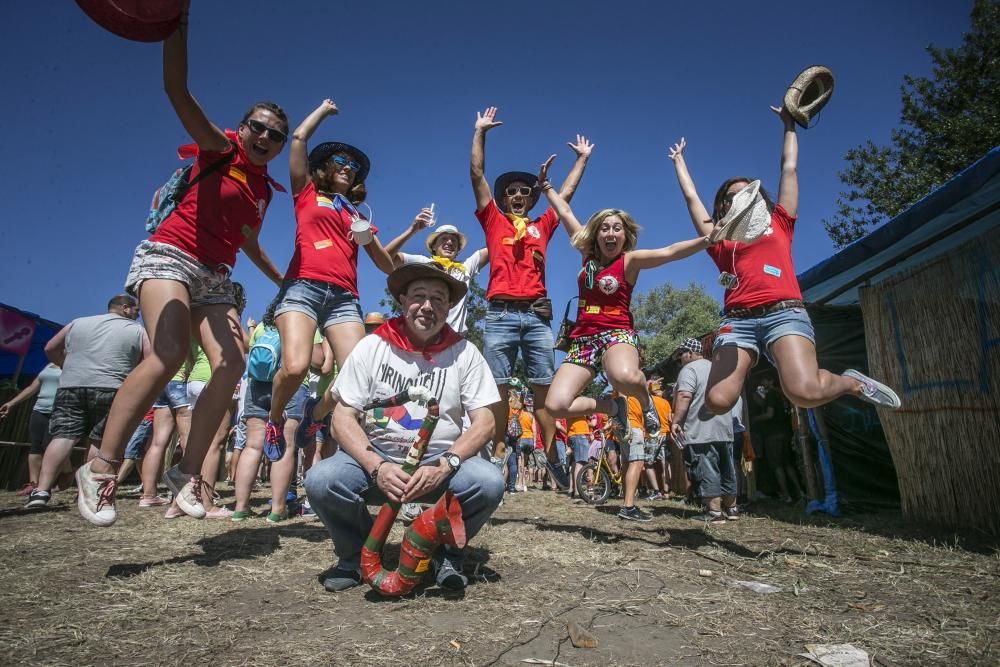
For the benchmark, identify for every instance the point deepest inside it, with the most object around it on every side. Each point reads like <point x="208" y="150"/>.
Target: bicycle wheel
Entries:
<point x="593" y="484"/>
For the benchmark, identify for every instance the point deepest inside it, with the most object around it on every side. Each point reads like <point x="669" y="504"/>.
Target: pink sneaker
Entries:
<point x="96" y="497"/>
<point x="173" y="512"/>
<point x="152" y="501"/>
<point x="26" y="489"/>
<point x="219" y="513"/>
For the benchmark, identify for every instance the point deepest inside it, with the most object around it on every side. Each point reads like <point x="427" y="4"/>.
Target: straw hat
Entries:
<point x="407" y="273"/>
<point x="809" y="93"/>
<point x="748" y="216"/>
<point x="147" y="21"/>
<point x="445" y="229"/>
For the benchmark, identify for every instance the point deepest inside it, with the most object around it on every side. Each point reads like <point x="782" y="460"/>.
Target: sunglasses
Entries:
<point x="342" y="161"/>
<point x="258" y="127"/>
<point x="513" y="191"/>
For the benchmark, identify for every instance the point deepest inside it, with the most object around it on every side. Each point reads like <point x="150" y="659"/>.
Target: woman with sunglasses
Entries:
<point x="604" y="334"/>
<point x="763" y="311"/>
<point x="320" y="287"/>
<point x="181" y="276"/>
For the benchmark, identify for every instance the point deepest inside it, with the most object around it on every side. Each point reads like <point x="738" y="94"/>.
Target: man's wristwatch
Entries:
<point x="453" y="461"/>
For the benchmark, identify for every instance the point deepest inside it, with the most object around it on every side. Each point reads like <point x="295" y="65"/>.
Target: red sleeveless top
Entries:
<point x="605" y="297"/>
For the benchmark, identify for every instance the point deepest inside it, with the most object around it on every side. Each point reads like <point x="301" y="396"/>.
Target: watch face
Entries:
<point x="453" y="461"/>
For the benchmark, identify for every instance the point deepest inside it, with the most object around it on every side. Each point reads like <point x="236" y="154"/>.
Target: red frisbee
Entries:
<point x="138" y="20"/>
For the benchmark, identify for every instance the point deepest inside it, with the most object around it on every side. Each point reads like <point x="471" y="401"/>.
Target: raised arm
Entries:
<point x="422" y="221"/>
<point x="25" y="394"/>
<point x="637" y="260"/>
<point x="189" y="112"/>
<point x="298" y="154"/>
<point x="378" y="255"/>
<point x="477" y="161"/>
<point x="699" y="216"/>
<point x="582" y="148"/>
<point x="556" y="200"/>
<point x="788" y="187"/>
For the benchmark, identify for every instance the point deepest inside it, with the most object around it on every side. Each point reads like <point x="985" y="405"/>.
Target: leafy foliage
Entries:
<point x="666" y="315"/>
<point x="948" y="122"/>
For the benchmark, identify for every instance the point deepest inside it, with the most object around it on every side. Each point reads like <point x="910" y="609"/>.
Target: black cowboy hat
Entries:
<point x="322" y="154"/>
<point x="406" y="274"/>
<point x="506" y="178"/>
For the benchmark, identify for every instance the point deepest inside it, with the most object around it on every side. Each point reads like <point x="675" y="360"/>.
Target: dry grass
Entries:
<point x="148" y="591"/>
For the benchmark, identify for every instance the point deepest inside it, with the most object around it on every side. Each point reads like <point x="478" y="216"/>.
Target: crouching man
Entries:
<point x="416" y="349"/>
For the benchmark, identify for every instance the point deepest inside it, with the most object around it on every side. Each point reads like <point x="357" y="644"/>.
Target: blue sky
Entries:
<point x="89" y="133"/>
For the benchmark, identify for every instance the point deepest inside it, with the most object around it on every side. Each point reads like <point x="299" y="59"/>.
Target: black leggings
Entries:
<point x="38" y="432"/>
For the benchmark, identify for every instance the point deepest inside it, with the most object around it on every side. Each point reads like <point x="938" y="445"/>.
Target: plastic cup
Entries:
<point x="361" y="230"/>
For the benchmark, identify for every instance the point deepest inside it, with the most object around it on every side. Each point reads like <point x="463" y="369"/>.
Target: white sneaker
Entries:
<point x="874" y="391"/>
<point x="96" y="496"/>
<point x="187" y="491"/>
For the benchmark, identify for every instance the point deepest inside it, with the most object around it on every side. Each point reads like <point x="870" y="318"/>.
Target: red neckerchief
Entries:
<point x="188" y="151"/>
<point x="393" y="333"/>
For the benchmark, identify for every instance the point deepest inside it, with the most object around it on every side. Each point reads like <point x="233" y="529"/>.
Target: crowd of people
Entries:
<point x="305" y="378"/>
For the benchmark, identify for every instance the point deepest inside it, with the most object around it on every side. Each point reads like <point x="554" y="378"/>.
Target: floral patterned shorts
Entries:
<point x="589" y="350"/>
<point x="160" y="261"/>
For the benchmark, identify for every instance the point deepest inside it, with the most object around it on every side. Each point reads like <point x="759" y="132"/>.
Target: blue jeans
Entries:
<point x="136" y="447"/>
<point x="561" y="452"/>
<point x="325" y="303"/>
<point x="711" y="469"/>
<point x="338" y="490"/>
<point x="757" y="335"/>
<point x="507" y="332"/>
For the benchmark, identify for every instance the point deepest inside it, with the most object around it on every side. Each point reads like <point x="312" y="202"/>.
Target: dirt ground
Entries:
<point x="149" y="591"/>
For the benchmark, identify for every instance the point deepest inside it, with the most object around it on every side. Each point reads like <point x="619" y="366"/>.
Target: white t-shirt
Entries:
<point x="458" y="377"/>
<point x="456" y="316"/>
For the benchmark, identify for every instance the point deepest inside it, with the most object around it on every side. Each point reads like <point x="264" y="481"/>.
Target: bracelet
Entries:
<point x="546" y="186"/>
<point x="111" y="462"/>
<point x="374" y="473"/>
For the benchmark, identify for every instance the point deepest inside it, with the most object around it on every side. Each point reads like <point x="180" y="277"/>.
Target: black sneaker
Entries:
<point x="338" y="579"/>
<point x="448" y="576"/>
<point x="634" y="514"/>
<point x="38" y="499"/>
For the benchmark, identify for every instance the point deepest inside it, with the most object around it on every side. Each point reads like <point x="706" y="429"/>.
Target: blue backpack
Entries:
<point x="265" y="355"/>
<point x="165" y="199"/>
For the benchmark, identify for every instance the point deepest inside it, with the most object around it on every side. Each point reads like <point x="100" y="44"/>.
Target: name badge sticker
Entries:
<point x="772" y="270"/>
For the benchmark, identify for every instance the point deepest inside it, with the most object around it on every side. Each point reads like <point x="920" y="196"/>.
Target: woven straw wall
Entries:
<point x="933" y="334"/>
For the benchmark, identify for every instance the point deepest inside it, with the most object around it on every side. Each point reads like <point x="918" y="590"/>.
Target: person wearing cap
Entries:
<point x="519" y="313"/>
<point x="443" y="244"/>
<point x="417" y="348"/>
<point x="763" y="312"/>
<point x="373" y="321"/>
<point x="706" y="438"/>
<point x="320" y="288"/>
<point x="604" y="335"/>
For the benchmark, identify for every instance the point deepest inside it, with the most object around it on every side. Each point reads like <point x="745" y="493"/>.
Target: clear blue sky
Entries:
<point x="89" y="133"/>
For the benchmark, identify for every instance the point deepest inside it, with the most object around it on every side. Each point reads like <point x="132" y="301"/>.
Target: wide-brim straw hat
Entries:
<point x="322" y="154"/>
<point x="748" y="216"/>
<point x="809" y="93"/>
<point x="445" y="229"/>
<point x="407" y="273"/>
<point x="137" y="20"/>
<point x="506" y="178"/>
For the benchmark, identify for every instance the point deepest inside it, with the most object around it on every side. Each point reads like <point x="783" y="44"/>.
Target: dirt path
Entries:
<point x="149" y="592"/>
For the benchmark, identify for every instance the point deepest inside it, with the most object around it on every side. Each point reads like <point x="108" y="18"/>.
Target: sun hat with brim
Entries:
<point x="406" y="274"/>
<point x="325" y="151"/>
<point x="445" y="229"/>
<point x="374" y="318"/>
<point x="748" y="216"/>
<point x="506" y="178"/>
<point x="809" y="93"/>
<point x="137" y="20"/>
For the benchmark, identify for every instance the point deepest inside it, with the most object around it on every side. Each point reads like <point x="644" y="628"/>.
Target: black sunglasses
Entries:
<point x="258" y="127"/>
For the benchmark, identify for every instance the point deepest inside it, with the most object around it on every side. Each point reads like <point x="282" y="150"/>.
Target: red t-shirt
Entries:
<point x="517" y="268"/>
<point x="220" y="212"/>
<point x="323" y="249"/>
<point x="764" y="268"/>
<point x="605" y="305"/>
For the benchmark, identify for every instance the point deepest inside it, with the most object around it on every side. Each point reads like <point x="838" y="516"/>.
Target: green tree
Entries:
<point x="948" y="121"/>
<point x="666" y="315"/>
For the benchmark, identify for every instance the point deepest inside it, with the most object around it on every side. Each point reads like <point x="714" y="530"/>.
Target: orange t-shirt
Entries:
<point x="663" y="411"/>
<point x="635" y="419"/>
<point x="577" y="426"/>
<point x="525" y="419"/>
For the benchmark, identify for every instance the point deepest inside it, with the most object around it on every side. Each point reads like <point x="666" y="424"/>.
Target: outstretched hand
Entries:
<point x="485" y="120"/>
<point x="785" y="117"/>
<point x="582" y="147"/>
<point x="677" y="150"/>
<point x="543" y="171"/>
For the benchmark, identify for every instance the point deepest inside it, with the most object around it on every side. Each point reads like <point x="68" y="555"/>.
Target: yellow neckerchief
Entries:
<point x="447" y="264"/>
<point x="520" y="225"/>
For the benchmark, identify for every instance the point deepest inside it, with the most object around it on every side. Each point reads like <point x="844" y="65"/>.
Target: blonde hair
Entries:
<point x="585" y="240"/>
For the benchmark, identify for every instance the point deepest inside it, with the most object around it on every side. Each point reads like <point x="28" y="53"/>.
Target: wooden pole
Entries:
<point x="808" y="459"/>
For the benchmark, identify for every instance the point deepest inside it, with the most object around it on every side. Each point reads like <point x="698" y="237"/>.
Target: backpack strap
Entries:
<point x="215" y="166"/>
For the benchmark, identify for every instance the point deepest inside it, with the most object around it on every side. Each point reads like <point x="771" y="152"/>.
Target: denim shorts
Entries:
<point x="240" y="438"/>
<point x="173" y="396"/>
<point x="509" y="331"/>
<point x="323" y="302"/>
<point x="136" y="447"/>
<point x="580" y="445"/>
<point x="207" y="286"/>
<point x="259" y="401"/>
<point x="757" y="335"/>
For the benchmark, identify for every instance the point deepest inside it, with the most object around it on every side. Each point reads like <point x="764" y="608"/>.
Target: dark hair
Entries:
<point x="720" y="195"/>
<point x="268" y="318"/>
<point x="358" y="193"/>
<point x="240" y="295"/>
<point x="268" y="106"/>
<point x="122" y="300"/>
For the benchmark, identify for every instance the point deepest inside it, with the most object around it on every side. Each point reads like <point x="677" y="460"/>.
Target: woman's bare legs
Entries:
<point x="296" y="331"/>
